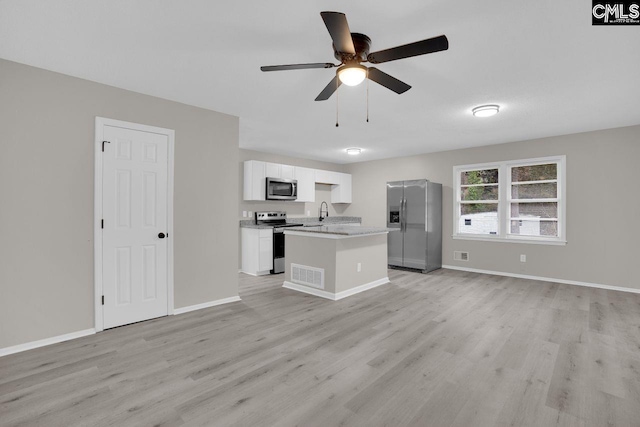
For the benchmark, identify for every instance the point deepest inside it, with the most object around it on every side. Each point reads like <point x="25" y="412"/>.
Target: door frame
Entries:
<point x="97" y="211"/>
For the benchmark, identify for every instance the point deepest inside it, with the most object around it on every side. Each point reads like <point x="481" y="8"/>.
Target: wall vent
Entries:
<point x="309" y="276"/>
<point x="460" y="256"/>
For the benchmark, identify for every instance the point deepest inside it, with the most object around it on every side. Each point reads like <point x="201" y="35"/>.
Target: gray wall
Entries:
<point x="603" y="207"/>
<point x="46" y="198"/>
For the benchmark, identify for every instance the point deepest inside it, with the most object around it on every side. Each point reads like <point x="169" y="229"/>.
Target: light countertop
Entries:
<point x="337" y="230"/>
<point x="306" y="221"/>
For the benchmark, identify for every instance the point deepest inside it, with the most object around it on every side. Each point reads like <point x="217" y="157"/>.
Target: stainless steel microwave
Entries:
<point x="281" y="189"/>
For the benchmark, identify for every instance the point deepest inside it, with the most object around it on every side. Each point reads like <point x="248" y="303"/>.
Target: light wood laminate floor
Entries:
<point x="447" y="348"/>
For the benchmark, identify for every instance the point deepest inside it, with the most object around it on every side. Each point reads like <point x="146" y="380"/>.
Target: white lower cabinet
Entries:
<point x="265" y="260"/>
<point x="257" y="250"/>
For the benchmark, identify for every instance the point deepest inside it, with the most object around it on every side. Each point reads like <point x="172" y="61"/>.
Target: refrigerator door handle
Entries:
<point x="404" y="215"/>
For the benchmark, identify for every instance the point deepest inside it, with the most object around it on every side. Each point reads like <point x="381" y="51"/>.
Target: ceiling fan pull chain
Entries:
<point x="337" y="103"/>
<point x="367" y="95"/>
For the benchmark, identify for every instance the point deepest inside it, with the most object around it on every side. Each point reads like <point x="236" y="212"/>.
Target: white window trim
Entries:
<point x="504" y="201"/>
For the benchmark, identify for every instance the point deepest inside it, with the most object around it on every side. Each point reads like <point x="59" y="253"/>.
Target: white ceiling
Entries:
<point x="551" y="71"/>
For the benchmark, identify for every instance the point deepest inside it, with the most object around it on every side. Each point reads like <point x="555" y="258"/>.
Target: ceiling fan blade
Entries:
<point x="297" y="66"/>
<point x="338" y="27"/>
<point x="329" y="89"/>
<point x="387" y="81"/>
<point x="435" y="44"/>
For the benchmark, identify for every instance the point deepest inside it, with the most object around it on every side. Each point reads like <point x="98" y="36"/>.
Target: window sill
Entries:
<point x="510" y="240"/>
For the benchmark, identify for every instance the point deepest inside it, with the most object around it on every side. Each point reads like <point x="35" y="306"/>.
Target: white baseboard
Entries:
<point x="44" y="342"/>
<point x="333" y="296"/>
<point x="309" y="290"/>
<point x="258" y="274"/>
<point x="362" y="288"/>
<point x="544" y="279"/>
<point x="187" y="309"/>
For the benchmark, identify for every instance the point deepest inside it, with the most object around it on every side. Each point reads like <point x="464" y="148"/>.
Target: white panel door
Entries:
<point x="134" y="208"/>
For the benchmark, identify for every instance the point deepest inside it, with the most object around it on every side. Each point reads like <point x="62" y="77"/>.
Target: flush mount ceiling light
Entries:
<point x="352" y="74"/>
<point x="354" y="151"/>
<point x="486" y="110"/>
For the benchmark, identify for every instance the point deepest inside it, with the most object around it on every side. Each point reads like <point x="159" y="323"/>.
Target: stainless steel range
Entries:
<point x="277" y="220"/>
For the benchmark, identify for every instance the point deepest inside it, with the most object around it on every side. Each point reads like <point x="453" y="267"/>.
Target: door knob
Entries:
<point x="161" y="235"/>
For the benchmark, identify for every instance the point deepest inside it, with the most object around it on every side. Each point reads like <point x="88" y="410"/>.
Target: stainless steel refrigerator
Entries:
<point x="414" y="208"/>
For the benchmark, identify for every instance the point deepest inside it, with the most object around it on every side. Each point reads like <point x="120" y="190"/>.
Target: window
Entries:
<point x="519" y="200"/>
<point x="479" y="198"/>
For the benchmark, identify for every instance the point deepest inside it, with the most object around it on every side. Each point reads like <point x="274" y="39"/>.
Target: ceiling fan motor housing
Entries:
<point x="362" y="43"/>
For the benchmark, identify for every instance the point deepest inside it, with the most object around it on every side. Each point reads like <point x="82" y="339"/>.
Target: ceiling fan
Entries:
<point x="352" y="49"/>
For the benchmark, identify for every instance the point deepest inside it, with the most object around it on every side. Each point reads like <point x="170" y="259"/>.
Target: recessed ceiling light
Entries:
<point x="486" y="110"/>
<point x="352" y="74"/>
<point x="354" y="151"/>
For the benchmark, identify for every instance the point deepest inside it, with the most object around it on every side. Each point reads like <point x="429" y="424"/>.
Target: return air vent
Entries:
<point x="460" y="256"/>
<point x="309" y="276"/>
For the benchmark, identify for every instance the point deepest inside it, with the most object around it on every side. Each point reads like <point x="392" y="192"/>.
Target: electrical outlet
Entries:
<point x="250" y="214"/>
<point x="244" y="214"/>
<point x="308" y="213"/>
<point x="359" y="267"/>
<point x="523" y="258"/>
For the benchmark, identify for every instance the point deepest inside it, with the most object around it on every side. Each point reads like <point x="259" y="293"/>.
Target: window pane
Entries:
<point x="535" y="191"/>
<point x="486" y="176"/>
<point x="534" y="173"/>
<point x="534" y="210"/>
<point x="478" y="218"/>
<point x="480" y="193"/>
<point x="534" y="228"/>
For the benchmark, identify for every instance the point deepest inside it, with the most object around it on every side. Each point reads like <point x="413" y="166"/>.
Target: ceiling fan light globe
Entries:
<point x="352" y="75"/>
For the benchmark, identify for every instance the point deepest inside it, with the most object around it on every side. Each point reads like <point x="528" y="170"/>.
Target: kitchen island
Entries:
<point x="335" y="261"/>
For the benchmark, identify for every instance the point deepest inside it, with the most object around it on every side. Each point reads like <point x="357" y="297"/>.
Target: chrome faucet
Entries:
<point x="325" y="212"/>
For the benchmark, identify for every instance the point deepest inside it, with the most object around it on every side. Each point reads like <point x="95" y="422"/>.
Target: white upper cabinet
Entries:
<point x="287" y="172"/>
<point x="306" y="184"/>
<point x="273" y="170"/>
<point x="254" y="180"/>
<point x="341" y="193"/>
<point x="255" y="183"/>
<point x="327" y="177"/>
